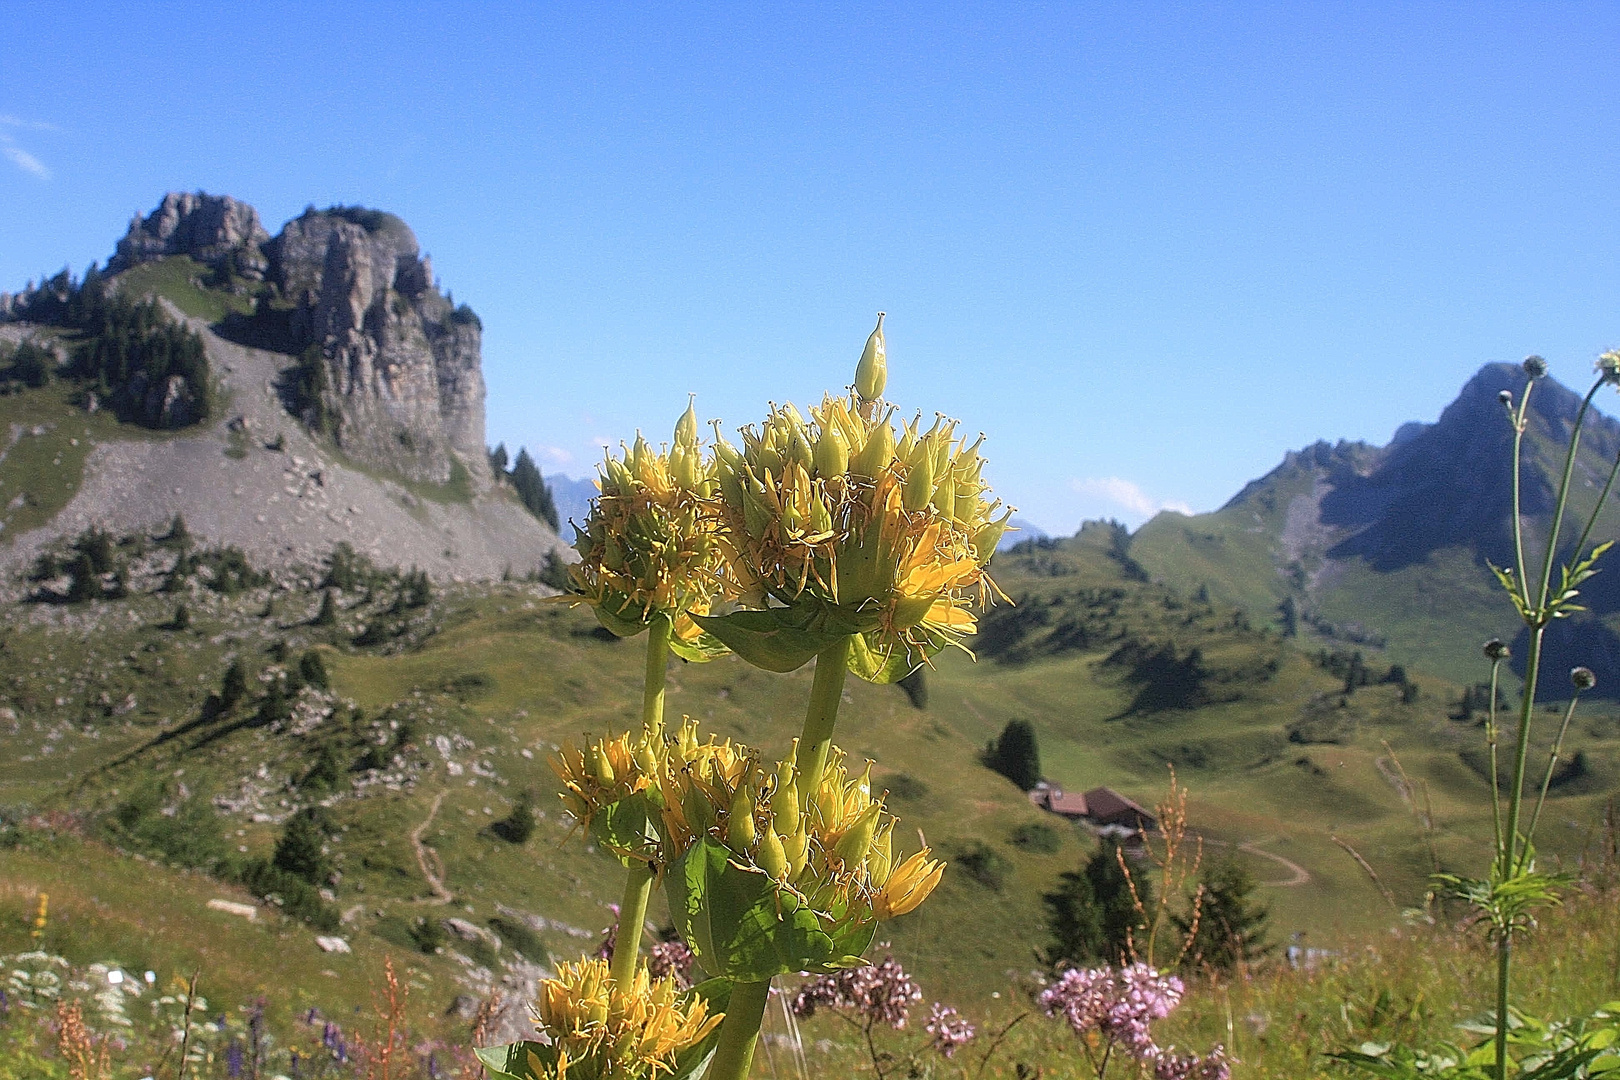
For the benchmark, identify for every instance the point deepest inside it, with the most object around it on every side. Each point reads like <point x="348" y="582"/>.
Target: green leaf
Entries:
<point x="515" y="1061"/>
<point x="879" y="666"/>
<point x="700" y="650"/>
<point x="776" y="639"/>
<point x="742" y="924"/>
<point x="628" y="825"/>
<point x="619" y="623"/>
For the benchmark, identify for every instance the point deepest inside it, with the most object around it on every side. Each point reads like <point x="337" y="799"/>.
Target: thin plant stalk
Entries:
<point x="1490" y="742"/>
<point x="832" y="664"/>
<point x="739" y="1031"/>
<point x="1552" y="763"/>
<point x="1514" y="850"/>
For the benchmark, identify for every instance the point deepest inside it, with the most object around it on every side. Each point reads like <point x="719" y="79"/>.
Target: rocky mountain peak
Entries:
<point x="212" y="229"/>
<point x="390" y="364"/>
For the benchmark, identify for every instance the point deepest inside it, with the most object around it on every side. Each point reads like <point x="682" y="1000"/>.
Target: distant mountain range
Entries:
<point x="1386" y="547"/>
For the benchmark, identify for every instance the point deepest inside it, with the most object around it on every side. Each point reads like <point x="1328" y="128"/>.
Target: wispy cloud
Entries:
<point x="27" y="162"/>
<point x="15" y="154"/>
<point x="1127" y="496"/>
<point x="556" y="455"/>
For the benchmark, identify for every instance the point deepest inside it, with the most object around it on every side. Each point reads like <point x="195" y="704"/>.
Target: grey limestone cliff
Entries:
<point x="347" y="288"/>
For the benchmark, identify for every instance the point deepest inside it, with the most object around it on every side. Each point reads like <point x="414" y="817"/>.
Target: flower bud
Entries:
<point x="1534" y="366"/>
<point x="832" y="453"/>
<point x="597" y="763"/>
<point x="877" y="453"/>
<point x="880" y="856"/>
<point x="872" y="373"/>
<point x="686" y="426"/>
<point x="857" y="839"/>
<point x="1496" y="651"/>
<point x="797" y="850"/>
<point x="772" y="857"/>
<point x="820" y="517"/>
<point x="1583" y="678"/>
<point x="919" y="484"/>
<point x="1608" y="366"/>
<point x="785" y="802"/>
<point x="740" y="830"/>
<point x="944" y="498"/>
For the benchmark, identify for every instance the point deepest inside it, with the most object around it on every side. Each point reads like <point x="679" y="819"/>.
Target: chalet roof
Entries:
<point x="1106" y="804"/>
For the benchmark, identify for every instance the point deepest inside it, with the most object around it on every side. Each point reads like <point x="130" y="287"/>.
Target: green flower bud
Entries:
<point x="919" y="483"/>
<point x="686" y="426"/>
<point x="878" y="451"/>
<point x="740" y="830"/>
<point x="944" y="498"/>
<point x="832" y="453"/>
<point x="872" y="373"/>
<point x="785" y="802"/>
<point x="857" y="839"/>
<point x="797" y="850"/>
<point x="820" y="516"/>
<point x="988" y="538"/>
<point x="772" y="857"/>
<point x="880" y="856"/>
<point x="598" y="765"/>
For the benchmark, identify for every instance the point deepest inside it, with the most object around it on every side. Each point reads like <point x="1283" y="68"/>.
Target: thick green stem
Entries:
<point x="825" y="693"/>
<point x="652" y="694"/>
<point x="632" y="917"/>
<point x="739" y="1031"/>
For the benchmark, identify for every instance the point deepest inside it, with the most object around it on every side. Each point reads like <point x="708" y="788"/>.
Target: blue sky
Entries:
<point x="1147" y="248"/>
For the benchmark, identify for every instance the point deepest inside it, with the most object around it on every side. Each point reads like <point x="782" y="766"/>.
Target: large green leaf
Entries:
<point x="629" y="623"/>
<point x="776" y="639"/>
<point x="743" y="926"/>
<point x="628" y="825"/>
<point x="518" y="1061"/>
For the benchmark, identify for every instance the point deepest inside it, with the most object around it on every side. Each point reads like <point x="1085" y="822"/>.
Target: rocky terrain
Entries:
<point x="400" y="472"/>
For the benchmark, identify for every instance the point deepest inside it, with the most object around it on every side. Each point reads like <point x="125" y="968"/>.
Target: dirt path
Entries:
<point x="428" y="859"/>
<point x="1301" y="876"/>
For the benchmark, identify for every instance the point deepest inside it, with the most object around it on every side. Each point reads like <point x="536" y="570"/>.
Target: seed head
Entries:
<point x="1505" y="397"/>
<point x="1608" y="366"/>
<point x="1583" y="678"/>
<point x="1534" y="366"/>
<point x="1495" y="650"/>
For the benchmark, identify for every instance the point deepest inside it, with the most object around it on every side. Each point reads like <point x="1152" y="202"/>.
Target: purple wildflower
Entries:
<point x="671" y="960"/>
<point x="1212" y="1066"/>
<point x="879" y="993"/>
<point x="233" y="1060"/>
<point x="1118" y="1005"/>
<point x="950" y="1030"/>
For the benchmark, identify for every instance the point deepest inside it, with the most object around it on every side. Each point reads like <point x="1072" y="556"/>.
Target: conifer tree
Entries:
<point x="1015" y="754"/>
<point x="1093" y="914"/>
<point x="532" y="490"/>
<point x="1231" y="924"/>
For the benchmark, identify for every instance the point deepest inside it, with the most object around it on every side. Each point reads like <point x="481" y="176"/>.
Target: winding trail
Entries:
<point x="1301" y="876"/>
<point x="428" y="859"/>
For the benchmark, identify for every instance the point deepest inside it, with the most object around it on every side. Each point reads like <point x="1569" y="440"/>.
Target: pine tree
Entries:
<point x="233" y="687"/>
<point x="327" y="616"/>
<point x="532" y="490"/>
<point x="1015" y="754"/>
<point x="1093" y="914"/>
<point x="1231" y="925"/>
<point x="518" y="826"/>
<point x="498" y="461"/>
<point x="312" y="670"/>
<point x="299" y="853"/>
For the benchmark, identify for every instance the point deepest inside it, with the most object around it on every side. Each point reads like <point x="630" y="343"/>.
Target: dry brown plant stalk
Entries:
<point x="1174" y="867"/>
<point x="85" y="1054"/>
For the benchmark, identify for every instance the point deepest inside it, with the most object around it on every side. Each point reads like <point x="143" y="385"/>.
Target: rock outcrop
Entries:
<point x="348" y="289"/>
<point x="215" y="230"/>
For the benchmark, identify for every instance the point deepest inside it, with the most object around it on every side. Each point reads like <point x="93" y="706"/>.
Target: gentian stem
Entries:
<point x="652" y="695"/>
<point x="825" y="693"/>
<point x="739" y="1031"/>
<point x="632" y="916"/>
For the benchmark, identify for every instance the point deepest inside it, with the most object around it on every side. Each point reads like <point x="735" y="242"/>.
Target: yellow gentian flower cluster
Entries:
<point x="618" y="1031"/>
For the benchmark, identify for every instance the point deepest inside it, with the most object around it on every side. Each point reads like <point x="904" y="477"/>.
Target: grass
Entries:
<point x="492" y="679"/>
<point x="178" y="279"/>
